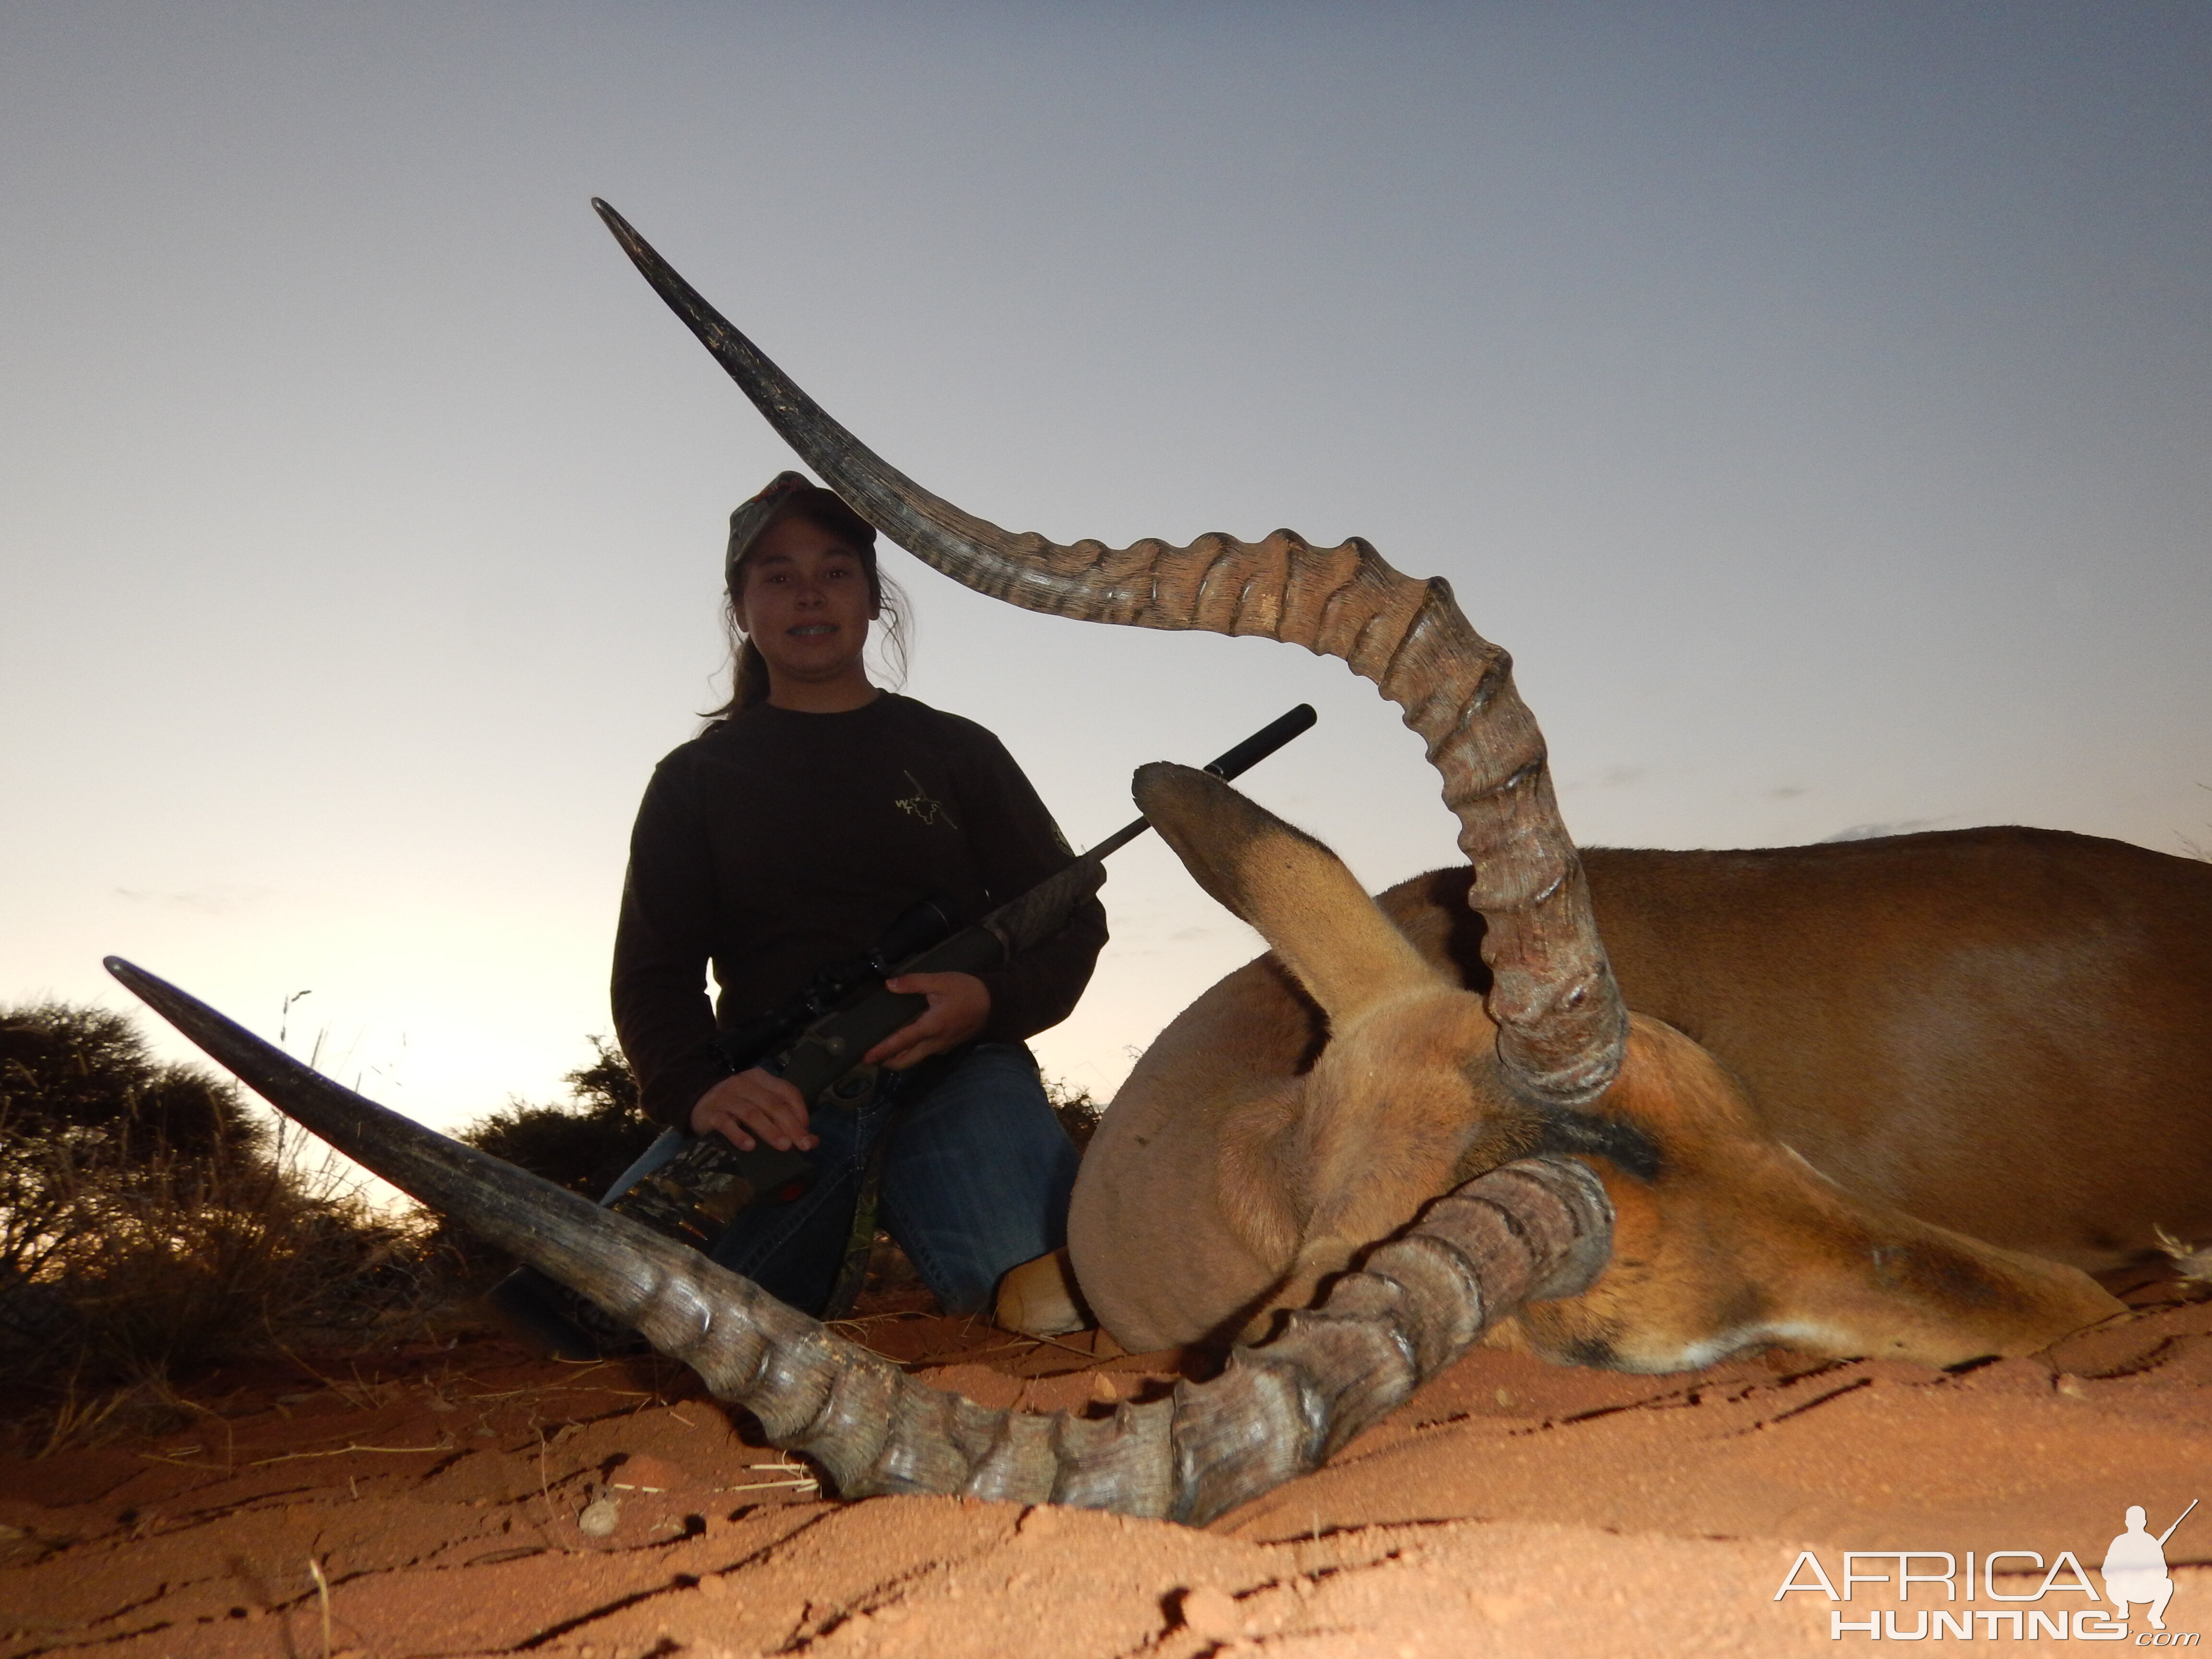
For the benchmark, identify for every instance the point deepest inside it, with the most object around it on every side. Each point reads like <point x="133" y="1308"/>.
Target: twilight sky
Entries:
<point x="1816" y="400"/>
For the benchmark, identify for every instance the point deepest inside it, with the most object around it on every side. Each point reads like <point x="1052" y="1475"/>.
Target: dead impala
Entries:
<point x="1884" y="1098"/>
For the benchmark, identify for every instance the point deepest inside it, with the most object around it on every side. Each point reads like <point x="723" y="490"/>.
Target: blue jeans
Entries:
<point x="976" y="1175"/>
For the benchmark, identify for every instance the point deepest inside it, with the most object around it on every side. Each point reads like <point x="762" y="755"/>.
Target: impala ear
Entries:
<point x="1297" y="893"/>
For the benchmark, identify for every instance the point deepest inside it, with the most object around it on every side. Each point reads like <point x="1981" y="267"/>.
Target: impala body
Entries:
<point x="1931" y="1074"/>
<point x="2004" y="1031"/>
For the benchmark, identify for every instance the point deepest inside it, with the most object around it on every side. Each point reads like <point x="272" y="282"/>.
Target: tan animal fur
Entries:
<point x="1309" y="1104"/>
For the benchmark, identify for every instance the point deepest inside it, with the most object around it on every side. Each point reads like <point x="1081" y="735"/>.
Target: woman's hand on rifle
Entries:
<point x="958" y="1006"/>
<point x="754" y="1103"/>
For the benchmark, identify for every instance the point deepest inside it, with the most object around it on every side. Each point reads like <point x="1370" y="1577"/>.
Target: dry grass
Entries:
<point x="147" y="1273"/>
<point x="139" y="1246"/>
<point x="2198" y="849"/>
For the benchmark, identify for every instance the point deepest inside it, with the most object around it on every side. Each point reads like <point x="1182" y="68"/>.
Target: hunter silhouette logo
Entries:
<point x="2134" y="1572"/>
<point x="2135" y="1567"/>
<point x="922" y="806"/>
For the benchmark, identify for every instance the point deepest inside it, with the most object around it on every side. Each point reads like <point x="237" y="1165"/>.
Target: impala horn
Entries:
<point x="1562" y="1029"/>
<point x="1539" y="1227"/>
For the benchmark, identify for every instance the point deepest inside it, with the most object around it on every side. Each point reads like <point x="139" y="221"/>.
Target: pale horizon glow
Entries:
<point x="1814" y="399"/>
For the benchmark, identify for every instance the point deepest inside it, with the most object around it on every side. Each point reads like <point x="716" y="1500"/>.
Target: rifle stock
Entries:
<point x="830" y="1047"/>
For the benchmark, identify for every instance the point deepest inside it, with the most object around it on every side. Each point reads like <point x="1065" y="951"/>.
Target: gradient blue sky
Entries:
<point x="1814" y="398"/>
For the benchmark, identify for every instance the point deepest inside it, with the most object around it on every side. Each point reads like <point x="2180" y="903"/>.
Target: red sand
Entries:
<point x="1510" y="1508"/>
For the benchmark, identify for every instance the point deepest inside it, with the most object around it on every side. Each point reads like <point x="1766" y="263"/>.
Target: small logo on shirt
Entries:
<point x="922" y="806"/>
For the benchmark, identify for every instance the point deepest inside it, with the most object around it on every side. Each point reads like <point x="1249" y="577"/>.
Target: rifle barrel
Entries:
<point x="1241" y="759"/>
<point x="2178" y="1520"/>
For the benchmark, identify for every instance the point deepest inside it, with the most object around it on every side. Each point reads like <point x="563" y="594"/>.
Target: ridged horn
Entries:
<point x="1539" y="1227"/>
<point x="1562" y="1029"/>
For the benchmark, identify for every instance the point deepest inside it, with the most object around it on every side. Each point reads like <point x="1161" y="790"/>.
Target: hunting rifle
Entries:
<point x="816" y="1041"/>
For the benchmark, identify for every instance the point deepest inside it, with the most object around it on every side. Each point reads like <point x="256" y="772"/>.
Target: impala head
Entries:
<point x="1409" y="1088"/>
<point x="1725" y="1239"/>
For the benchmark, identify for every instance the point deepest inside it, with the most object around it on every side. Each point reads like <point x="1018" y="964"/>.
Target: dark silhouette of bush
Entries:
<point x="81" y="1073"/>
<point x="84" y="1106"/>
<point x="1079" y="1113"/>
<point x="581" y="1144"/>
<point x="151" y="1222"/>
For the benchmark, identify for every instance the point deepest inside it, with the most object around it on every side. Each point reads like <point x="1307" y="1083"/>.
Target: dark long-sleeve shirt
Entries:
<point x="778" y="842"/>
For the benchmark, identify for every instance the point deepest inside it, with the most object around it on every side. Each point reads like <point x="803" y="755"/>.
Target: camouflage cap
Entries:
<point x="786" y="491"/>
<point x="755" y="515"/>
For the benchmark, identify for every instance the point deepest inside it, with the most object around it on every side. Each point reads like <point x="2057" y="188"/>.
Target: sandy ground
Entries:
<point x="468" y="1499"/>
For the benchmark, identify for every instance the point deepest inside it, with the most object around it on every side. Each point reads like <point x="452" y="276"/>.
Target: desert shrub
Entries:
<point x="151" y="1222"/>
<point x="1079" y="1113"/>
<point x="85" y="1072"/>
<point x="582" y="1143"/>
